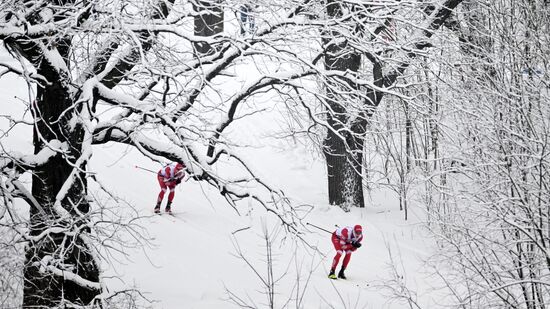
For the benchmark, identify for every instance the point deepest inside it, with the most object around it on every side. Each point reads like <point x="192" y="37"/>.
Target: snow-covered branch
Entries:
<point x="29" y="162"/>
<point x="47" y="267"/>
<point x="31" y="76"/>
<point x="9" y="31"/>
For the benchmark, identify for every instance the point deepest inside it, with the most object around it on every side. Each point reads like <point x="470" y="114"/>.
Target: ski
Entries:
<point x="176" y="215"/>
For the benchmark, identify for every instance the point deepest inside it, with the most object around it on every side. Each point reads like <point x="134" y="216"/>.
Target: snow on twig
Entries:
<point x="26" y="161"/>
<point x="28" y="31"/>
<point x="47" y="268"/>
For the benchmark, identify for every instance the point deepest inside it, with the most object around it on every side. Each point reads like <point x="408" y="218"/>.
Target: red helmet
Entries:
<point x="358" y="230"/>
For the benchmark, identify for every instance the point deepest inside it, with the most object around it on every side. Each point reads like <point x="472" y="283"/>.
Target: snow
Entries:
<point x="191" y="259"/>
<point x="67" y="275"/>
<point x="28" y="30"/>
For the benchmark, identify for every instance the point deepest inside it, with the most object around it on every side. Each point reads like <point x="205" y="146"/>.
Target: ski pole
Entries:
<point x="145" y="169"/>
<point x="320" y="228"/>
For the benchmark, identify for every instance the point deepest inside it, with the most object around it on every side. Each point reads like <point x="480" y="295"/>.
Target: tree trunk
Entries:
<point x="63" y="249"/>
<point x="343" y="145"/>
<point x="339" y="55"/>
<point x="344" y="169"/>
<point x="208" y="23"/>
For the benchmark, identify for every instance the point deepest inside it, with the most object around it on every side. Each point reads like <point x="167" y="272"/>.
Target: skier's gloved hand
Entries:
<point x="356" y="244"/>
<point x="178" y="181"/>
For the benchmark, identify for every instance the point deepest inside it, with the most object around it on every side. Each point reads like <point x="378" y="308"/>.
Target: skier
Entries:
<point x="169" y="177"/>
<point x="346" y="239"/>
<point x="246" y="19"/>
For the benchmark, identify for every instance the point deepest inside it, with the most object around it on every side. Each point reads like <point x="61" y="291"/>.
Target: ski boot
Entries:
<point x="331" y="275"/>
<point x="157" y="208"/>
<point x="168" y="208"/>
<point x="341" y="274"/>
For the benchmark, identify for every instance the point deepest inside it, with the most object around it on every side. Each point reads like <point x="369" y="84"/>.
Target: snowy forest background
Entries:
<point x="425" y="121"/>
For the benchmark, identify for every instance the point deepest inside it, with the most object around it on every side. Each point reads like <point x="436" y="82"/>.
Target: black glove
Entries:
<point x="356" y="244"/>
<point x="178" y="181"/>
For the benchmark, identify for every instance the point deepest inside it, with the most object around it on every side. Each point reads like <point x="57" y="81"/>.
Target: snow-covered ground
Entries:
<point x="192" y="260"/>
<point x="208" y="252"/>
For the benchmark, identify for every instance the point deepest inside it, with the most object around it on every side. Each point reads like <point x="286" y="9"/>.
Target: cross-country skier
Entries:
<point x="247" y="19"/>
<point x="345" y="240"/>
<point x="169" y="177"/>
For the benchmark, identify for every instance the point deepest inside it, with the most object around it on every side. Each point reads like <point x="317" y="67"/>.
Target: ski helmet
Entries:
<point x="358" y="230"/>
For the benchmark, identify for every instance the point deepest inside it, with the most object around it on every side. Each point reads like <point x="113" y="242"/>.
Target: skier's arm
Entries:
<point x="179" y="176"/>
<point x="357" y="243"/>
<point x="166" y="177"/>
<point x="344" y="237"/>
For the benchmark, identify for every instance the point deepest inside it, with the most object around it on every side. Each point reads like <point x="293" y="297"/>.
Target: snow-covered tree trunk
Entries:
<point x="56" y="250"/>
<point x="61" y="268"/>
<point x="55" y="184"/>
<point x="345" y="181"/>
<point x="350" y="105"/>
<point x="342" y="147"/>
<point x="208" y="22"/>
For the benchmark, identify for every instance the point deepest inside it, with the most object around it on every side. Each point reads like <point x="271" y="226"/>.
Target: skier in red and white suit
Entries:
<point x="345" y="240"/>
<point x="169" y="177"/>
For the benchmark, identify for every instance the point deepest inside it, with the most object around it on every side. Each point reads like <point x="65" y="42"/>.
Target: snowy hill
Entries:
<point x="193" y="258"/>
<point x="210" y="255"/>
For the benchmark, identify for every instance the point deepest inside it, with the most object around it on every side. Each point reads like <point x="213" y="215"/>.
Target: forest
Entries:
<point x="444" y="103"/>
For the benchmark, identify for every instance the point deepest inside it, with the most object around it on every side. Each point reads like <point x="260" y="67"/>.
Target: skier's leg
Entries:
<point x="161" y="193"/>
<point x="338" y="248"/>
<point x="171" y="194"/>
<point x="172" y="189"/>
<point x="163" y="188"/>
<point x="346" y="260"/>
<point x="243" y="19"/>
<point x="252" y="23"/>
<point x="336" y="259"/>
<point x="344" y="265"/>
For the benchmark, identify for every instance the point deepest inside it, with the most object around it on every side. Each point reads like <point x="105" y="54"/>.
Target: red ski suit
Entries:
<point x="169" y="177"/>
<point x="342" y="240"/>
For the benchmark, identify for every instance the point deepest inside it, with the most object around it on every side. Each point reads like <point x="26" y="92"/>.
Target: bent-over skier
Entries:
<point x="169" y="177"/>
<point x="345" y="240"/>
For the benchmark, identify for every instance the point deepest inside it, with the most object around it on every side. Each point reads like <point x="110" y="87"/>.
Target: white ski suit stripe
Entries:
<point x="346" y="234"/>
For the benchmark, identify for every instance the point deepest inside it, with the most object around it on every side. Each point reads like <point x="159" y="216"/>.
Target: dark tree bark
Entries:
<point x="209" y="22"/>
<point x="342" y="150"/>
<point x="343" y="145"/>
<point x="63" y="249"/>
